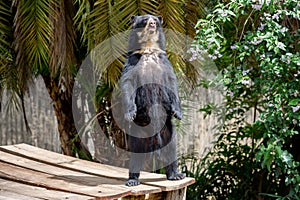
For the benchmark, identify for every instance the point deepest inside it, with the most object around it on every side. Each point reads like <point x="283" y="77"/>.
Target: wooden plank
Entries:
<point x="53" y="158"/>
<point x="17" y="190"/>
<point x="166" y="195"/>
<point x="75" y="176"/>
<point x="103" y="191"/>
<point x="156" y="196"/>
<point x="167" y="185"/>
<point x="5" y="195"/>
<point x="175" y="194"/>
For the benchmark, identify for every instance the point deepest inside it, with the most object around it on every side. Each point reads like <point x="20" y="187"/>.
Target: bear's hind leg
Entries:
<point x="135" y="165"/>
<point x="170" y="154"/>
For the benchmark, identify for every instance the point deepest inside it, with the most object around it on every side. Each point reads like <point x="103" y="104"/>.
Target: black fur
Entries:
<point x="148" y="80"/>
<point x="134" y="59"/>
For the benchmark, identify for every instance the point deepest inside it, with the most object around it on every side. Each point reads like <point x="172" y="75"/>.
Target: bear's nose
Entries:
<point x="152" y="23"/>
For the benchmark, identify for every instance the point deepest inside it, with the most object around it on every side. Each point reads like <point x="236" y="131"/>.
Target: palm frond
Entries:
<point x="194" y="10"/>
<point x="8" y="80"/>
<point x="173" y="14"/>
<point x="82" y="20"/>
<point x="181" y="17"/>
<point x="32" y="33"/>
<point x="5" y="37"/>
<point x="107" y="20"/>
<point x="109" y="57"/>
<point x="5" y="28"/>
<point x="100" y="28"/>
<point x="148" y="7"/>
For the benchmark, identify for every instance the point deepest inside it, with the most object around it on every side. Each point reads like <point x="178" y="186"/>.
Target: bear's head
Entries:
<point x="147" y="34"/>
<point x="147" y="23"/>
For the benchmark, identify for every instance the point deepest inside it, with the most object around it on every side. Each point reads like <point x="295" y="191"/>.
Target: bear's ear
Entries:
<point x="160" y="19"/>
<point x="132" y="19"/>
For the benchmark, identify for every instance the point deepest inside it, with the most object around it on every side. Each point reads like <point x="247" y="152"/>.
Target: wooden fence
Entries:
<point x="196" y="137"/>
<point x="41" y="119"/>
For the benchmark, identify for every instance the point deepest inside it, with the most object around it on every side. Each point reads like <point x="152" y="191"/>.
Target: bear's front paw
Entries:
<point x="130" y="116"/>
<point x="177" y="114"/>
<point x="132" y="182"/>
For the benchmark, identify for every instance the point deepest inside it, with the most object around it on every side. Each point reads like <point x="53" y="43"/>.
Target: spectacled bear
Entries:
<point x="150" y="98"/>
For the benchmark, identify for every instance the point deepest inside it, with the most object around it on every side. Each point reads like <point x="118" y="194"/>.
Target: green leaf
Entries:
<point x="231" y="13"/>
<point x="294" y="102"/>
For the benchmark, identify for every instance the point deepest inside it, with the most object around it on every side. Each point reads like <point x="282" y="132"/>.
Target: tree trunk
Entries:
<point x="62" y="102"/>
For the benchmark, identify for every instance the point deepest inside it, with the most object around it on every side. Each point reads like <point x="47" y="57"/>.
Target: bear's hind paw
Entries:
<point x="176" y="176"/>
<point x="132" y="182"/>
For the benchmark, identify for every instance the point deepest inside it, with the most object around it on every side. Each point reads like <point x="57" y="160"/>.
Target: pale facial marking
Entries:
<point x="149" y="37"/>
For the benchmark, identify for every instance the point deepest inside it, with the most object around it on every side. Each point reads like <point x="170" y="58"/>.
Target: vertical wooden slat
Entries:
<point x="40" y="116"/>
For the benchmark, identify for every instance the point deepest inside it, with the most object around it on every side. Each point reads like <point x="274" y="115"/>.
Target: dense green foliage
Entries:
<point x="256" y="48"/>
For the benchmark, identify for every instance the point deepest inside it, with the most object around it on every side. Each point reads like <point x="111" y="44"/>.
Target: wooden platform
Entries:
<point x="28" y="172"/>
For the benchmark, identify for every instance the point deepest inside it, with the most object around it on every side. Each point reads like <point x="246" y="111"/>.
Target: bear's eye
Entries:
<point x="145" y="20"/>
